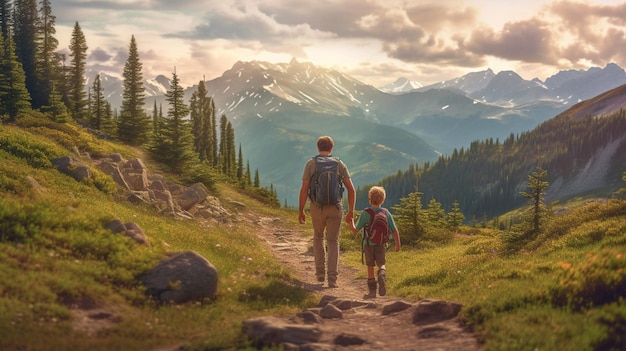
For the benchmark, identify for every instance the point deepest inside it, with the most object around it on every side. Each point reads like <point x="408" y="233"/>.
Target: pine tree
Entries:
<point x="14" y="97"/>
<point x="240" y="164"/>
<point x="174" y="145"/>
<point x="257" y="179"/>
<point x="222" y="155"/>
<point x="98" y="105"/>
<point x="435" y="214"/>
<point x="78" y="53"/>
<point x="539" y="212"/>
<point x="231" y="154"/>
<point x="408" y="217"/>
<point x="134" y="125"/>
<point x="48" y="61"/>
<point x="203" y="116"/>
<point x="108" y="124"/>
<point x="56" y="108"/>
<point x="25" y="36"/>
<point x="455" y="216"/>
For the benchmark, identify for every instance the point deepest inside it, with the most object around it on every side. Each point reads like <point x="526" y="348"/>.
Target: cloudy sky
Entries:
<point x="375" y="41"/>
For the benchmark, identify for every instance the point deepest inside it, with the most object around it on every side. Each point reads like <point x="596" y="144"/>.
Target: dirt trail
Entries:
<point x="363" y="327"/>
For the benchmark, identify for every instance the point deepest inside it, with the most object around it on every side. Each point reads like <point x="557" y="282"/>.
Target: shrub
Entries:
<point x="613" y="320"/>
<point x="37" y="153"/>
<point x="598" y="280"/>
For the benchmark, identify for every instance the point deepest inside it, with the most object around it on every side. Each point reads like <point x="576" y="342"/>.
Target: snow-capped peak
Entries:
<point x="401" y="85"/>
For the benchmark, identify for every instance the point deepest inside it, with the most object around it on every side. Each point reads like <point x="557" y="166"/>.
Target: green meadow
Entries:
<point x="563" y="290"/>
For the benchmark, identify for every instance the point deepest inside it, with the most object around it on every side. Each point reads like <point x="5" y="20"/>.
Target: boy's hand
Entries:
<point x="397" y="248"/>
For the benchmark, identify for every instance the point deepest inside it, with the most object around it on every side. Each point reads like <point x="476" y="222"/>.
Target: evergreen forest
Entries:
<point x="38" y="82"/>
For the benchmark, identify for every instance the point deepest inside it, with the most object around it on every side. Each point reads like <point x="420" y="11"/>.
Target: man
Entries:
<point x="327" y="218"/>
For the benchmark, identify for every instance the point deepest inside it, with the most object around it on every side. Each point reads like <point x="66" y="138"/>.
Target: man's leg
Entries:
<point x="334" y="215"/>
<point x="319" y="251"/>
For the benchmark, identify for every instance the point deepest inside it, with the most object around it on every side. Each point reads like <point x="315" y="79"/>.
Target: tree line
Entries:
<point x="34" y="75"/>
<point x="485" y="178"/>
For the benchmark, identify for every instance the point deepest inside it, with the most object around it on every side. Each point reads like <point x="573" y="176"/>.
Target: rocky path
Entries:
<point x="344" y="320"/>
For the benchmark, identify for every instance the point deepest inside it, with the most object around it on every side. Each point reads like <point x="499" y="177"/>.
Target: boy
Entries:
<point x="375" y="254"/>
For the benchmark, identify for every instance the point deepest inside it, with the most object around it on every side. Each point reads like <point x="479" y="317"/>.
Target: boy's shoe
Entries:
<point x="320" y="279"/>
<point x="382" y="287"/>
<point x="371" y="287"/>
<point x="333" y="285"/>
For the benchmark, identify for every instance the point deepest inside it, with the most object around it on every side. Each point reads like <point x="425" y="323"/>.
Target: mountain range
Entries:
<point x="279" y="110"/>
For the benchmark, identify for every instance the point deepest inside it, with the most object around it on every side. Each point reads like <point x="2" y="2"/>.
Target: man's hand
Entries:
<point x="302" y="217"/>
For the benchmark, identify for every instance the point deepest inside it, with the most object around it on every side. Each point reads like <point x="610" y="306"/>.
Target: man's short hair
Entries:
<point x="325" y="143"/>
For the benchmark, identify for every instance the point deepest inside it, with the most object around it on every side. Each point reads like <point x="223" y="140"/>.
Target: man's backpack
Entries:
<point x="378" y="229"/>
<point x="325" y="187"/>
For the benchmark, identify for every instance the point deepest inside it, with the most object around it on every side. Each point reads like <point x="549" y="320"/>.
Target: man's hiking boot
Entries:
<point x="382" y="287"/>
<point x="320" y="276"/>
<point x="332" y="284"/>
<point x="371" y="286"/>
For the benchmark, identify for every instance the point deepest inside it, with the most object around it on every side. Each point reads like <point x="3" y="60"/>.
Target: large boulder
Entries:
<point x="182" y="277"/>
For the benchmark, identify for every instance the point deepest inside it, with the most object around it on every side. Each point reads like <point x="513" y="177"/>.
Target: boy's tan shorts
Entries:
<point x="374" y="255"/>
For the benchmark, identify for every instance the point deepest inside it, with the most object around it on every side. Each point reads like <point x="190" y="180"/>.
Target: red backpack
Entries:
<point x="378" y="229"/>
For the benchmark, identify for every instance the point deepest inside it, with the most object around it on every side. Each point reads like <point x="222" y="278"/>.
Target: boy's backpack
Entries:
<point x="378" y="229"/>
<point x="325" y="187"/>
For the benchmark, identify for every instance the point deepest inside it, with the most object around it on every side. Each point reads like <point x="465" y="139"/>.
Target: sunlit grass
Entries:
<point x="55" y="252"/>
<point x="565" y="293"/>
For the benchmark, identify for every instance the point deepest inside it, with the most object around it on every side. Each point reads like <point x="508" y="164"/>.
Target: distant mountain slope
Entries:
<point x="583" y="150"/>
<point x="279" y="109"/>
<point x="609" y="102"/>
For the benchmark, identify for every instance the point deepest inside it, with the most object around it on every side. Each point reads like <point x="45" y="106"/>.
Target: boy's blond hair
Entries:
<point x="376" y="195"/>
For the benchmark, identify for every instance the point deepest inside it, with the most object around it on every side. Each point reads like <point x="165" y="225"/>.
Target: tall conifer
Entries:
<point x="48" y="61"/>
<point x="174" y="144"/>
<point x="14" y="97"/>
<point x="134" y="126"/>
<point x="78" y="60"/>
<point x="98" y="104"/>
<point x="25" y="36"/>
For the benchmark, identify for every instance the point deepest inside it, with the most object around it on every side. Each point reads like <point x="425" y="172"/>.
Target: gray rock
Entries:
<point x="273" y="331"/>
<point x="331" y="311"/>
<point x="182" y="277"/>
<point x="192" y="196"/>
<point x="396" y="306"/>
<point x="73" y="167"/>
<point x="310" y="317"/>
<point x="435" y="311"/>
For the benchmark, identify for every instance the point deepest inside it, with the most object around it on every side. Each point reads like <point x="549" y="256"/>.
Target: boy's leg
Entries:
<point x="371" y="280"/>
<point x="382" y="271"/>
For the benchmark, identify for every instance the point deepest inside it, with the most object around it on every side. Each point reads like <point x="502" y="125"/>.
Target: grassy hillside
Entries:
<point x="563" y="291"/>
<point x="59" y="264"/>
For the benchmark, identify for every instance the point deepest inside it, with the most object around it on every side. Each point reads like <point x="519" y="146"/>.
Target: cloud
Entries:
<point x="528" y="41"/>
<point x="595" y="33"/>
<point x="246" y="22"/>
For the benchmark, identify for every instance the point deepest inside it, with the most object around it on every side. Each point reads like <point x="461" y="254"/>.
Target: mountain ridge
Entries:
<point x="291" y="104"/>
